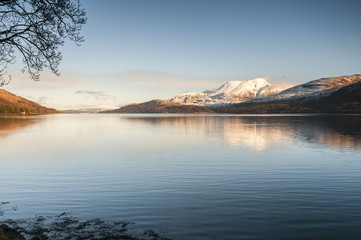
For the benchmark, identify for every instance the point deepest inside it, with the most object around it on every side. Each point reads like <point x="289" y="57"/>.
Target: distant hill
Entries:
<point x="12" y="104"/>
<point x="160" y="106"/>
<point x="86" y="109"/>
<point x="344" y="99"/>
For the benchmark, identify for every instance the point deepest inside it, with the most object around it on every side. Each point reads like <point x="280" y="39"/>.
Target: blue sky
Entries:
<point x="140" y="50"/>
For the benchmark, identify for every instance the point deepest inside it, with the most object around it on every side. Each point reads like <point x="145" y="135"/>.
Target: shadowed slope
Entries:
<point x="160" y="106"/>
<point x="344" y="100"/>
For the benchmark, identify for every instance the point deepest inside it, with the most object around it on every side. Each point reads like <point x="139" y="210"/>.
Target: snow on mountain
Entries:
<point x="230" y="92"/>
<point x="241" y="87"/>
<point x="320" y="87"/>
<point x="83" y="108"/>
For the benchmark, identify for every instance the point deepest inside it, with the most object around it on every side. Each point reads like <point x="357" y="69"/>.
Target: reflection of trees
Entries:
<point x="261" y="132"/>
<point x="10" y="125"/>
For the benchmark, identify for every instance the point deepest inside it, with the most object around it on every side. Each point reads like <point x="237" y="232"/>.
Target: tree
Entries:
<point x="36" y="29"/>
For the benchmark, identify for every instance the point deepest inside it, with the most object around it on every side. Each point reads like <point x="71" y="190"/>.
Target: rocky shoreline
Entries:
<point x="67" y="227"/>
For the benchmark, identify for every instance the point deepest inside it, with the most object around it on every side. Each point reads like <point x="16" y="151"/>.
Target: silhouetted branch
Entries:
<point x="36" y="29"/>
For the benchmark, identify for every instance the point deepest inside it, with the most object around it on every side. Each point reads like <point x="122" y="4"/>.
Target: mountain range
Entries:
<point x="315" y="88"/>
<point x="326" y="95"/>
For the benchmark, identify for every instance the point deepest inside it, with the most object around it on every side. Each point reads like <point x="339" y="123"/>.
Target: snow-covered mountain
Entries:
<point x="315" y="88"/>
<point x="230" y="92"/>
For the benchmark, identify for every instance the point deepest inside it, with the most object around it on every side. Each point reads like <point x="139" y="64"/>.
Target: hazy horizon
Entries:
<point x="136" y="51"/>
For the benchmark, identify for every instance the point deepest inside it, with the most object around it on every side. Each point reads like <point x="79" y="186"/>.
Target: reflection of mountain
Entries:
<point x="262" y="132"/>
<point x="10" y="125"/>
<point x="335" y="131"/>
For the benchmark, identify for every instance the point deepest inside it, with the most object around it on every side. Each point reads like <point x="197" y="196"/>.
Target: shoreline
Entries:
<point x="65" y="226"/>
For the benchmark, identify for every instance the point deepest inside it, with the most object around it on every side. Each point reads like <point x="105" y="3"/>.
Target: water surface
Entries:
<point x="192" y="176"/>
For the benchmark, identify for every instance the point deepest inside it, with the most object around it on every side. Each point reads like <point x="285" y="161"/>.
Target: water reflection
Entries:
<point x="264" y="131"/>
<point x="178" y="172"/>
<point x="11" y="125"/>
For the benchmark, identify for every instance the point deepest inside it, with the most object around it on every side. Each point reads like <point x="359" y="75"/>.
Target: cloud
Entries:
<point x="43" y="100"/>
<point x="352" y="42"/>
<point x="166" y="81"/>
<point x="48" y="81"/>
<point x="98" y="95"/>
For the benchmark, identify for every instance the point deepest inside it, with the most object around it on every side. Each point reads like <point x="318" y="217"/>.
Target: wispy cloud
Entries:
<point x="44" y="100"/>
<point x="163" y="80"/>
<point x="352" y="42"/>
<point x="98" y="95"/>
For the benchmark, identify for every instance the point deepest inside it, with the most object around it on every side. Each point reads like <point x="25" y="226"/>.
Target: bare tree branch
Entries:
<point x="36" y="29"/>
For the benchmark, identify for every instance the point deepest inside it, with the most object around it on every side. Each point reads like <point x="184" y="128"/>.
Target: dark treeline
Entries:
<point x="6" y="109"/>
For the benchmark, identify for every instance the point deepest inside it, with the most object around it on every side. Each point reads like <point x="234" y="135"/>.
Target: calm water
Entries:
<point x="193" y="176"/>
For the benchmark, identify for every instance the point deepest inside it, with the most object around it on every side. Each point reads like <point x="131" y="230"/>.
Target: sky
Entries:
<point x="139" y="50"/>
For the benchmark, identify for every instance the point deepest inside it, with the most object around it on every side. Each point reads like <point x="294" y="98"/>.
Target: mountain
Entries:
<point x="230" y="92"/>
<point x="86" y="109"/>
<point x="320" y="87"/>
<point x="329" y="95"/>
<point x="326" y="95"/>
<point x="344" y="100"/>
<point x="160" y="106"/>
<point x="12" y="104"/>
